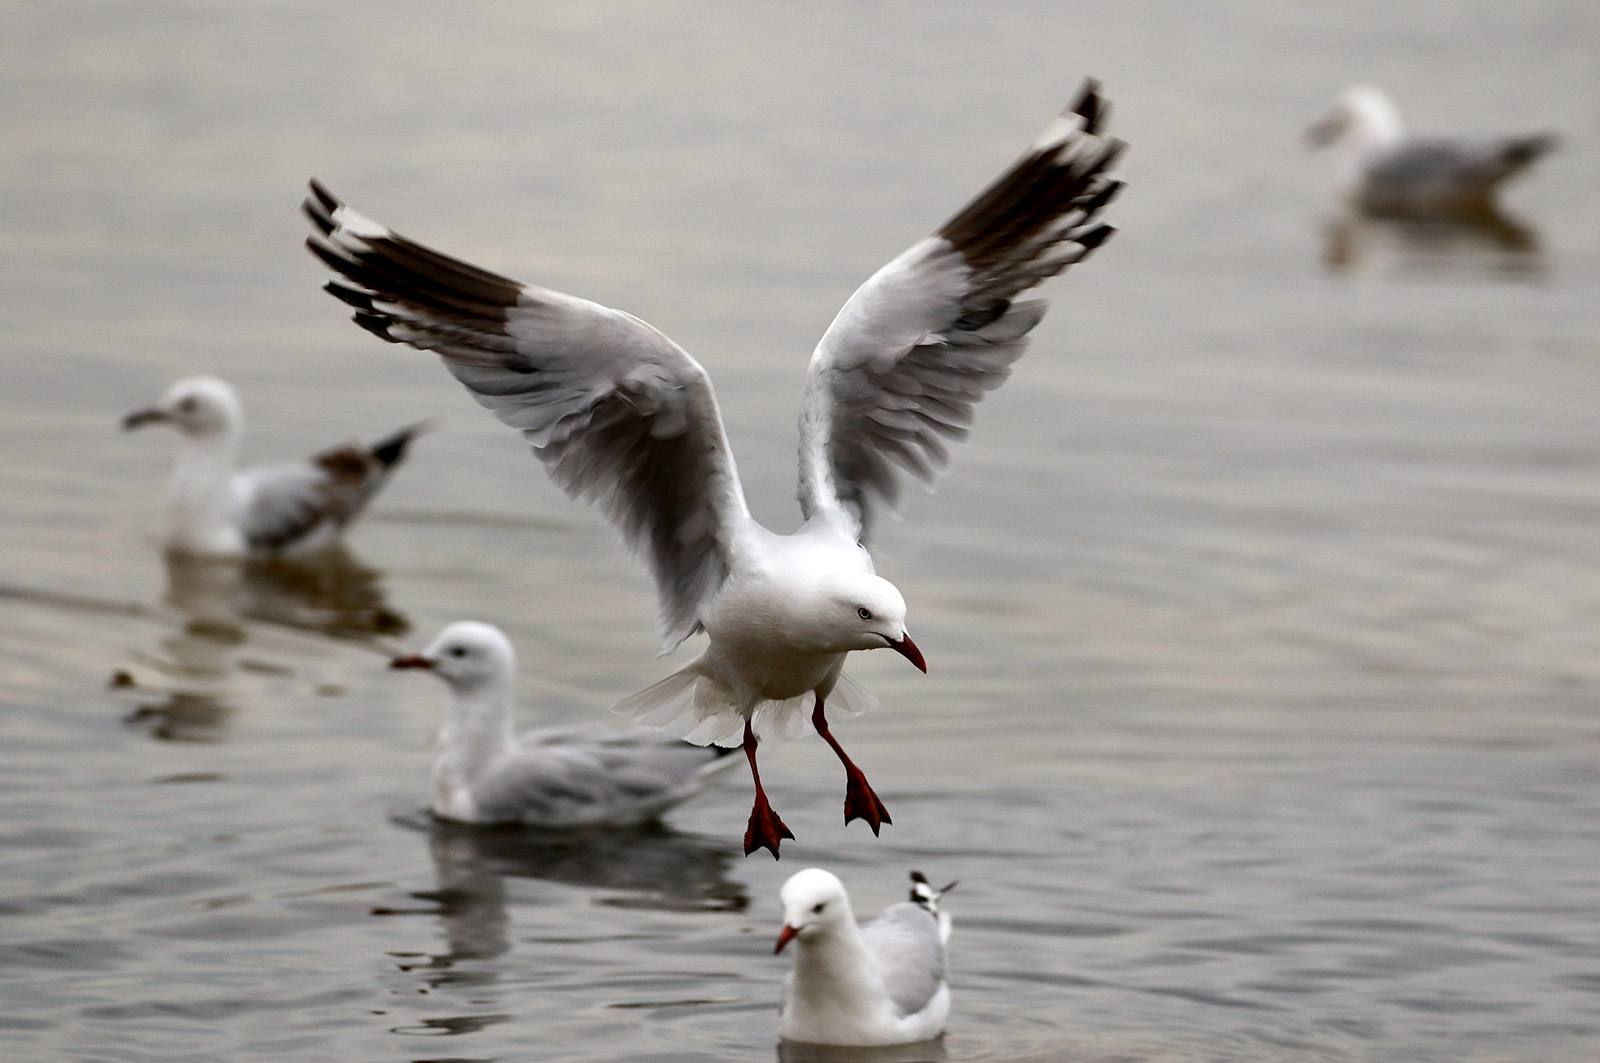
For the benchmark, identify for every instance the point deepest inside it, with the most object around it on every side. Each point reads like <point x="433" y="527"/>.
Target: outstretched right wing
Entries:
<point x="896" y="376"/>
<point x="618" y="413"/>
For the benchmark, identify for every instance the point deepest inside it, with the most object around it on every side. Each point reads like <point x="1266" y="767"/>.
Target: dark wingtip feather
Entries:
<point x="1091" y="106"/>
<point x="1095" y="203"/>
<point x="376" y="324"/>
<point x="319" y="207"/>
<point x="392" y="449"/>
<point x="319" y="218"/>
<point x="329" y="201"/>
<point x="1094" y="237"/>
<point x="1526" y="149"/>
<point x="356" y="298"/>
<point x="330" y="258"/>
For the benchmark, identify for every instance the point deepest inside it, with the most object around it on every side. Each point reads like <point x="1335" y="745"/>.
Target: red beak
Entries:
<point x="786" y="935"/>
<point x="908" y="649"/>
<point x="412" y="661"/>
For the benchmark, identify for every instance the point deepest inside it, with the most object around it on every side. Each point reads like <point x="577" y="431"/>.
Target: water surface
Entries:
<point x="1261" y="615"/>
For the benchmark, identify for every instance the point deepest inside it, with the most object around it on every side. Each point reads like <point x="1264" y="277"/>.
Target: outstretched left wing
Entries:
<point x="618" y="413"/>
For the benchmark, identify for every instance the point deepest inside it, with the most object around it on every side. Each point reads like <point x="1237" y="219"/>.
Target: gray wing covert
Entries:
<point x="282" y="506"/>
<point x="905" y="940"/>
<point x="580" y="775"/>
<point x="1456" y="163"/>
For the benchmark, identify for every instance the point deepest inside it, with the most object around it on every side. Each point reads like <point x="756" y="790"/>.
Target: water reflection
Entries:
<point x="331" y="593"/>
<point x="182" y="716"/>
<point x="1488" y="243"/>
<point x="921" y="1052"/>
<point x="653" y="867"/>
<point x="216" y="598"/>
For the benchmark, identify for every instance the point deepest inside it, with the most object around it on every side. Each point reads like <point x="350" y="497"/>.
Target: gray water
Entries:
<point x="1262" y="613"/>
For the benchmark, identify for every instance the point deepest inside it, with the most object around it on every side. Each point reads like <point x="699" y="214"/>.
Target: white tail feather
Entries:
<point x="695" y="707"/>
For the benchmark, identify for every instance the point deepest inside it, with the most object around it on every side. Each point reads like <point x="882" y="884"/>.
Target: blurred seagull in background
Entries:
<point x="1386" y="171"/>
<point x="552" y="777"/>
<point x="883" y="983"/>
<point x="622" y="416"/>
<point x="216" y="509"/>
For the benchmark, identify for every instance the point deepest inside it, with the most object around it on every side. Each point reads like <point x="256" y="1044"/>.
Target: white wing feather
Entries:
<point x="896" y="376"/>
<point x="619" y="414"/>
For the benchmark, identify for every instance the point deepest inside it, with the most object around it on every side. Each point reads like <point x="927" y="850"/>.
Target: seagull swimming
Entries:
<point x="1386" y="171"/>
<point x="292" y="508"/>
<point x="552" y="777"/>
<point x="882" y="983"/>
<point x="623" y="417"/>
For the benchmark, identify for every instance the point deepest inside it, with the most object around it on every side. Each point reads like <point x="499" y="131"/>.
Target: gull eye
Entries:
<point x="816" y="909"/>
<point x="864" y="613"/>
<point x="188" y="405"/>
<point x="458" y="651"/>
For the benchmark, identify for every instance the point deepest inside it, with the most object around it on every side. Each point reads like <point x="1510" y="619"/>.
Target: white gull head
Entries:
<point x="1364" y="118"/>
<point x="198" y="406"/>
<point x="815" y="904"/>
<point x="469" y="656"/>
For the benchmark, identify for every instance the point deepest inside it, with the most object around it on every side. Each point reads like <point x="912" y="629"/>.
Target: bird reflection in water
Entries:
<point x="649" y="867"/>
<point x="1488" y="242"/>
<point x="921" y="1052"/>
<point x="216" y="599"/>
<point x="331" y="594"/>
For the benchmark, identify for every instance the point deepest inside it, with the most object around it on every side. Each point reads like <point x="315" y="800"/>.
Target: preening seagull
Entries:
<point x="1386" y="171"/>
<point x="291" y="508"/>
<point x="623" y="417"/>
<point x="553" y="777"/>
<point x="879" y="984"/>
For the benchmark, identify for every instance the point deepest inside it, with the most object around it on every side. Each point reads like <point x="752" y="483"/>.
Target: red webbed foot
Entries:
<point x="860" y="802"/>
<point x="766" y="830"/>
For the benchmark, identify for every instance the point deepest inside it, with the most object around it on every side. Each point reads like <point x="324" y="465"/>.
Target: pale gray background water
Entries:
<point x="1262" y="616"/>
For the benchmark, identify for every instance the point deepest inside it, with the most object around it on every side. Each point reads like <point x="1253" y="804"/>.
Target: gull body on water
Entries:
<point x="551" y="777"/>
<point x="1385" y="170"/>
<point x="881" y="983"/>
<point x="217" y="509"/>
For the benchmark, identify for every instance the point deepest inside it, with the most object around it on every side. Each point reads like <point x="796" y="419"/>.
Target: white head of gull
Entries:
<point x="882" y="983"/>
<point x="623" y="417"/>
<point x="1386" y="171"/>
<point x="216" y="509"/>
<point x="551" y="777"/>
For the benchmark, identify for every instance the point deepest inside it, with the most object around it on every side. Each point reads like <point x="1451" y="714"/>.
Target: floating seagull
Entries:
<point x="1385" y="171"/>
<point x="554" y="777"/>
<point x="216" y="509"/>
<point x="878" y="984"/>
<point x="622" y="416"/>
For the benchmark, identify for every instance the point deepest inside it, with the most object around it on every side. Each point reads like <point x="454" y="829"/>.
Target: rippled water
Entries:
<point x="1262" y="614"/>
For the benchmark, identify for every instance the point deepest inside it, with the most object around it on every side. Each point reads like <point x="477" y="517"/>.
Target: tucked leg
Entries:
<point x="766" y="830"/>
<point x="859" y="800"/>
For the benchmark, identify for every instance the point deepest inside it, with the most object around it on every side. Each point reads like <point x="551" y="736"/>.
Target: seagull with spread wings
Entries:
<point x="623" y="417"/>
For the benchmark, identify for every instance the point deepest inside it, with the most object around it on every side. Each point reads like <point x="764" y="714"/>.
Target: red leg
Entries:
<point x="859" y="800"/>
<point x="766" y="830"/>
